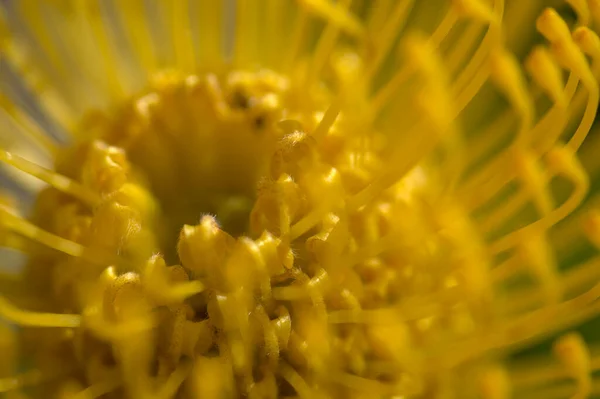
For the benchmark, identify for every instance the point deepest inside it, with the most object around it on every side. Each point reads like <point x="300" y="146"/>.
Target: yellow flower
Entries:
<point x="299" y="198"/>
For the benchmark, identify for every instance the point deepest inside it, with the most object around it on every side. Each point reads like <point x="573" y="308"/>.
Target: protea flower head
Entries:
<point x="299" y="198"/>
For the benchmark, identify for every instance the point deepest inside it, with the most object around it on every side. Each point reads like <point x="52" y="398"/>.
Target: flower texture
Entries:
<point x="299" y="198"/>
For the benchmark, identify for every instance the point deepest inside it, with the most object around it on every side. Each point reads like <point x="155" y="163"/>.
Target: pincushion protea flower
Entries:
<point x="277" y="198"/>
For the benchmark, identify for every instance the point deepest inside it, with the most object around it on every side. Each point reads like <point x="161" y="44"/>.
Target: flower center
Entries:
<point x="198" y="144"/>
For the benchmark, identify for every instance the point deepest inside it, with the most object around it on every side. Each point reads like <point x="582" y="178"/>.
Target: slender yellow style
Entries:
<point x="312" y="199"/>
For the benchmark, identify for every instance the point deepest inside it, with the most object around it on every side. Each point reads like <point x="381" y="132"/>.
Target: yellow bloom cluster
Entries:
<point x="300" y="199"/>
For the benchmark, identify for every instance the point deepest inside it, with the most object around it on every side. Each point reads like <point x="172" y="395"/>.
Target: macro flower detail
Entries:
<point x="299" y="199"/>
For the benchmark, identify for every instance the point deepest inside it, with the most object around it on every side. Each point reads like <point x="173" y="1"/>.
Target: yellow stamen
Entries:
<point x="35" y="319"/>
<point x="57" y="181"/>
<point x="181" y="35"/>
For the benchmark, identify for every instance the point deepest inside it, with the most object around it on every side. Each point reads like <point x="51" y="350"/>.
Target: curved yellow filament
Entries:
<point x="36" y="319"/>
<point x="57" y="181"/>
